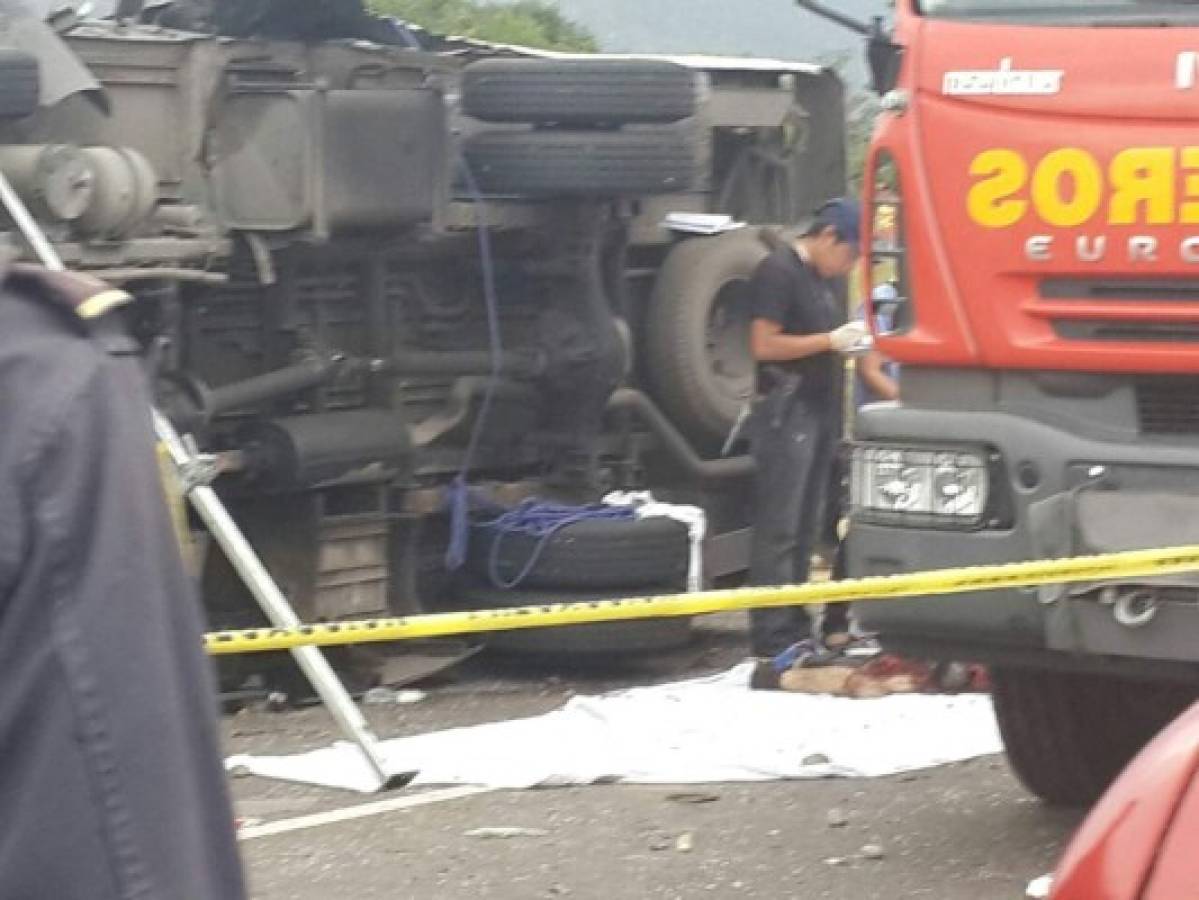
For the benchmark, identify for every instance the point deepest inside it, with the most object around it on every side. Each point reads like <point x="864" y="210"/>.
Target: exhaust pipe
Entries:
<point x="674" y="443"/>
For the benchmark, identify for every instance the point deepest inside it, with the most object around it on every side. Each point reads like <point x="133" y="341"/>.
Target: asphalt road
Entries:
<point x="965" y="831"/>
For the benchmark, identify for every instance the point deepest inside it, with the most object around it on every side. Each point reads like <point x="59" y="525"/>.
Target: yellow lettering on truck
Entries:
<point x="1188" y="211"/>
<point x="1067" y="187"/>
<point x="991" y="201"/>
<point x="1142" y="175"/>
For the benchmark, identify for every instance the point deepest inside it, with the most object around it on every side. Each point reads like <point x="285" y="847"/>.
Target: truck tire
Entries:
<point x="1068" y="735"/>
<point x="20" y="84"/>
<point x="584" y="163"/>
<point x="631" y="636"/>
<point x="578" y="91"/>
<point x="593" y="553"/>
<point x="697" y="333"/>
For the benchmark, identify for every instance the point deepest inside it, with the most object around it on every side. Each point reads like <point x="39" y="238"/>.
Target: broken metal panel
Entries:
<point x="61" y="73"/>
<point x="383" y="155"/>
<point x="167" y="79"/>
<point x="353" y="577"/>
<point x="748" y="107"/>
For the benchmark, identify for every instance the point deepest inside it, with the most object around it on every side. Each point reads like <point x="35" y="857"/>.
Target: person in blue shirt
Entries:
<point x="877" y="378"/>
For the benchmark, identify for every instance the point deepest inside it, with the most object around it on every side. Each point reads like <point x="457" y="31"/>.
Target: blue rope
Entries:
<point x="458" y="490"/>
<point x="541" y="520"/>
<point x="532" y="517"/>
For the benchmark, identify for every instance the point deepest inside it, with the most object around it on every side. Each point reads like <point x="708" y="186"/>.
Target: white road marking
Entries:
<point x="316" y="820"/>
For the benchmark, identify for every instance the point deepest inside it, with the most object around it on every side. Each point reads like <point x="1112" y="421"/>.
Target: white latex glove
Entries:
<point x="848" y="336"/>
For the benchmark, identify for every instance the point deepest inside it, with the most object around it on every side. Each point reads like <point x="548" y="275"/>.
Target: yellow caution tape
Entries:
<point x="1128" y="564"/>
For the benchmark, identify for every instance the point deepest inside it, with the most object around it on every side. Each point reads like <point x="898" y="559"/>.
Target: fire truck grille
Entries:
<point x="1138" y="332"/>
<point x="1089" y="324"/>
<point x="1181" y="290"/>
<point x="1168" y="404"/>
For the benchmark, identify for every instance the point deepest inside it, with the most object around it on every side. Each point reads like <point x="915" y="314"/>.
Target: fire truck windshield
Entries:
<point x="1066" y="12"/>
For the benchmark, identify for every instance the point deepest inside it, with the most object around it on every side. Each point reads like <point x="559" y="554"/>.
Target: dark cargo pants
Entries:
<point x="793" y="442"/>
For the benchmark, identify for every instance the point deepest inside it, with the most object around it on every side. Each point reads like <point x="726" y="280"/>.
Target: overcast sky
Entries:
<point x="771" y="28"/>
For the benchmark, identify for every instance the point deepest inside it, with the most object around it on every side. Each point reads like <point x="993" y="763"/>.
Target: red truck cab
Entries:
<point x="1032" y="191"/>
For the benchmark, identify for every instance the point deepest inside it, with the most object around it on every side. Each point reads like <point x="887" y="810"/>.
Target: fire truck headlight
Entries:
<point x="914" y="485"/>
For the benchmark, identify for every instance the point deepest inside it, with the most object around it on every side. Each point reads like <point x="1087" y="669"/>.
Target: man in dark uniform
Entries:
<point x="111" y="786"/>
<point x="798" y="335"/>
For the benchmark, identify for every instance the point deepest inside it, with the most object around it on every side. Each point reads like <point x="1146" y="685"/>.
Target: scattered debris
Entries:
<point x="836" y="861"/>
<point x="685" y="842"/>
<point x="504" y="832"/>
<point x="384" y="696"/>
<point x="277" y="701"/>
<point x="872" y="851"/>
<point x="660" y="842"/>
<point x="693" y="797"/>
<point x="837" y="817"/>
<point x="379" y="696"/>
<point x="1039" y="888"/>
<point x="420" y="660"/>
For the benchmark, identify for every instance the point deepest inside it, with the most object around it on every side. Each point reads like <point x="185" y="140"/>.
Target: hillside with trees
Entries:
<point x="530" y="23"/>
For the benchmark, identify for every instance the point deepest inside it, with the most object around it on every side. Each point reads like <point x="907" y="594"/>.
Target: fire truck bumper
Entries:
<point x="937" y="489"/>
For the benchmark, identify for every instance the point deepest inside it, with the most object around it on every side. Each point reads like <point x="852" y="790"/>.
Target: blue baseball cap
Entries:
<point x="844" y="216"/>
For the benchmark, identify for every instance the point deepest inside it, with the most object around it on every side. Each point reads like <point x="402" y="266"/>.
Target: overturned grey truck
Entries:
<point x="371" y="273"/>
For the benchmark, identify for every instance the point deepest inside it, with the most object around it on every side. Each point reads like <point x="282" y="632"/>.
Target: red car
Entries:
<point x="1141" y="841"/>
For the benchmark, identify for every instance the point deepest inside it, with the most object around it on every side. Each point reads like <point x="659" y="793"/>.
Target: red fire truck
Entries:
<point x="1033" y="194"/>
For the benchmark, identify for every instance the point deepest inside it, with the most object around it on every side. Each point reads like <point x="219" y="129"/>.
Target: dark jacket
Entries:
<point x="111" y="786"/>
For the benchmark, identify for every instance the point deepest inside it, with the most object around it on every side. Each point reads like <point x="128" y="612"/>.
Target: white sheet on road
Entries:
<point x="706" y="730"/>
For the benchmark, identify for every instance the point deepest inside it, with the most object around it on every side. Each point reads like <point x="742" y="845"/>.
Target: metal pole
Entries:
<point x="29" y="227"/>
<point x="243" y="558"/>
<point x="835" y="15"/>
<point x="310" y="660"/>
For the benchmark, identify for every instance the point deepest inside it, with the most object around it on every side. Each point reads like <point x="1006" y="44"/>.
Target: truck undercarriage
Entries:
<point x="353" y="292"/>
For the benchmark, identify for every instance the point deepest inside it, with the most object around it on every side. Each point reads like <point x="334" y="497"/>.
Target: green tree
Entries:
<point x="530" y="23"/>
<point x="860" y="116"/>
<point x="861" y="111"/>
